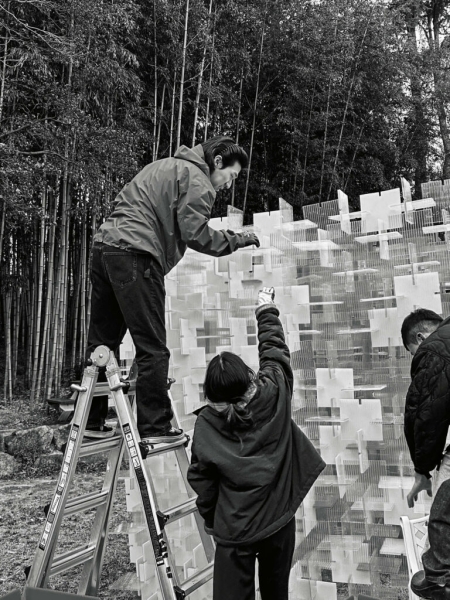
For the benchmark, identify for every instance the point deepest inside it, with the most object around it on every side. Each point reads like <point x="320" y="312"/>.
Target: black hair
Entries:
<point x="419" y="321"/>
<point x="228" y="150"/>
<point x="227" y="380"/>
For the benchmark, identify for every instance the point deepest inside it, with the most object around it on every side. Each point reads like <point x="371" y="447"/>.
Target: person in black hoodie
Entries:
<point x="251" y="465"/>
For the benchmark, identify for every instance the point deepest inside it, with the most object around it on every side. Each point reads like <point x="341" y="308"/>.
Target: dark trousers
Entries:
<point x="128" y="292"/>
<point x="234" y="567"/>
<point x="436" y="560"/>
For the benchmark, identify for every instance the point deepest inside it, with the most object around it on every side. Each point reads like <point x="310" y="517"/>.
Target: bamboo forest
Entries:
<point x="324" y="95"/>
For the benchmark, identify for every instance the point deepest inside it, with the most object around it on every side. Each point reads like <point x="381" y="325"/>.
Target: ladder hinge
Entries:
<point x="162" y="519"/>
<point x="179" y="593"/>
<point x="144" y="450"/>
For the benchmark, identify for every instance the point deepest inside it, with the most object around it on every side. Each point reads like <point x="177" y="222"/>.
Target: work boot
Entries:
<point x="100" y="432"/>
<point x="424" y="588"/>
<point x="165" y="437"/>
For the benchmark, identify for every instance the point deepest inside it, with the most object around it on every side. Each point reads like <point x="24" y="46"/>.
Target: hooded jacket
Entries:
<point x="165" y="209"/>
<point x="250" y="486"/>
<point x="427" y="408"/>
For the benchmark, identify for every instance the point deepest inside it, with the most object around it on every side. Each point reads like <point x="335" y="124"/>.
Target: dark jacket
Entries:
<point x="427" y="409"/>
<point x="250" y="488"/>
<point x="165" y="209"/>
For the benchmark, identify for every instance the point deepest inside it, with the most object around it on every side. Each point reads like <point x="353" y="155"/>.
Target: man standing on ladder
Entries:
<point x="161" y="212"/>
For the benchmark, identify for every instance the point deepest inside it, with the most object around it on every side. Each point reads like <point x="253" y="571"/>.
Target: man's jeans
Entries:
<point x="128" y="292"/>
<point x="436" y="560"/>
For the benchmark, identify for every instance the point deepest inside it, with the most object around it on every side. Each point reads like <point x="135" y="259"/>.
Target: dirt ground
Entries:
<point x="21" y="520"/>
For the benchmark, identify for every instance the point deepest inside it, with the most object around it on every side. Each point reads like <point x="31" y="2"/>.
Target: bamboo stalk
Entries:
<point x="327" y="112"/>
<point x="238" y="123"/>
<point x="76" y="300"/>
<point x="37" y="337"/>
<point x="84" y="259"/>
<point x="7" y="391"/>
<point x="15" y="334"/>
<point x="305" y="161"/>
<point x="155" y="57"/>
<point x="254" y="109"/>
<point x="183" y="68"/>
<point x="172" y="113"/>
<point x="3" y="80"/>
<point x="88" y="279"/>
<point x="2" y="227"/>
<point x="31" y="297"/>
<point x="208" y="101"/>
<point x="200" y="80"/>
<point x="64" y="292"/>
<point x="347" y="104"/>
<point x="48" y="303"/>
<point x="160" y="121"/>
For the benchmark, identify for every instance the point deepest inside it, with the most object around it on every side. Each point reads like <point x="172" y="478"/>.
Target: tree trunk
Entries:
<point x="183" y="68"/>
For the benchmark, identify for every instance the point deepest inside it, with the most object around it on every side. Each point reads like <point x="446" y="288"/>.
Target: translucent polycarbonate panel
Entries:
<point x="343" y="284"/>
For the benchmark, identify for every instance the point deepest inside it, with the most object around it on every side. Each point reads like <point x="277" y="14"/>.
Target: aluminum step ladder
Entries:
<point x="91" y="555"/>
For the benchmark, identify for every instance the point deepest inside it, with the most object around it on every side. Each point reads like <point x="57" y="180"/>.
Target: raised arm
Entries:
<point x="274" y="354"/>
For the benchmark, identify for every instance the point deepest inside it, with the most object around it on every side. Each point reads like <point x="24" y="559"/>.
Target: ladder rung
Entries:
<point x="71" y="559"/>
<point x="198" y="579"/>
<point x="85" y="502"/>
<point x="103" y="389"/>
<point x="90" y="447"/>
<point x="161" y="448"/>
<point x="179" y="511"/>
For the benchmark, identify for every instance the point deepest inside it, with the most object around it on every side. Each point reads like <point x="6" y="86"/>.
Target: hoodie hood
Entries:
<point x="195" y="156"/>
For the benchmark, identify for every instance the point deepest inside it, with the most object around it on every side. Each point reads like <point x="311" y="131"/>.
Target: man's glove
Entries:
<point x="266" y="296"/>
<point x="250" y="239"/>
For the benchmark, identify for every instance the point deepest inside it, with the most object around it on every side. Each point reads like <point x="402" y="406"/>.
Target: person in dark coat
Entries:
<point x="427" y="409"/>
<point x="427" y="416"/>
<point x="163" y="211"/>
<point x="252" y="465"/>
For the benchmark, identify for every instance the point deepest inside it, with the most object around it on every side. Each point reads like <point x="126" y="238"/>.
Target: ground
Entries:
<point x="21" y="522"/>
<point x="23" y="498"/>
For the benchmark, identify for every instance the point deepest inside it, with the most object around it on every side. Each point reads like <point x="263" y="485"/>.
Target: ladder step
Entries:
<point x="90" y="447"/>
<point x="128" y="582"/>
<point x="73" y="558"/>
<point x="85" y="502"/>
<point x="178" y="512"/>
<point x="197" y="580"/>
